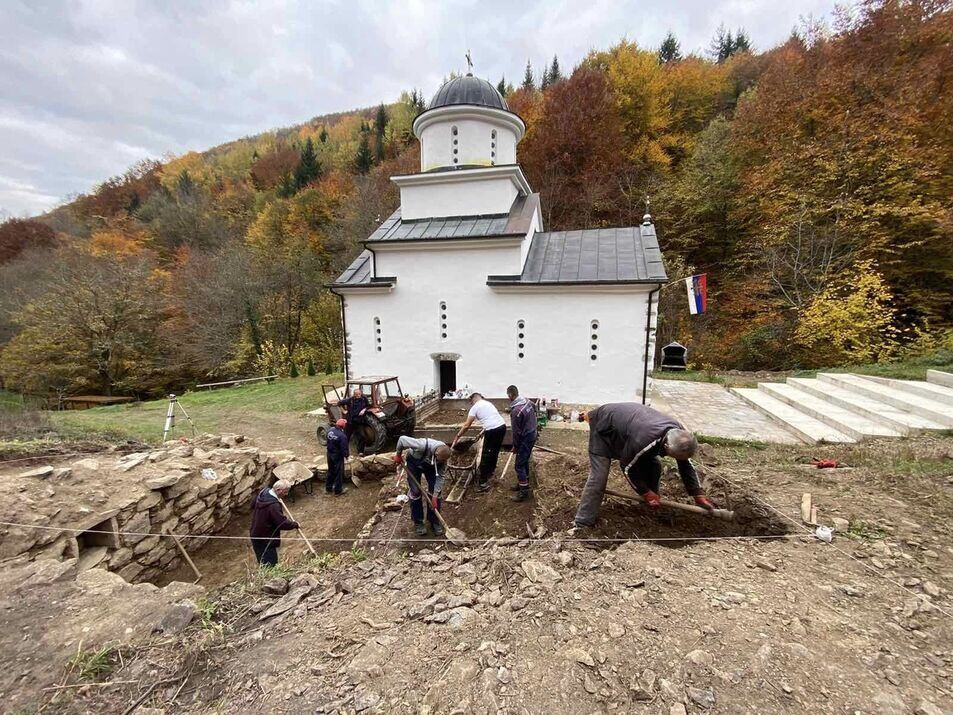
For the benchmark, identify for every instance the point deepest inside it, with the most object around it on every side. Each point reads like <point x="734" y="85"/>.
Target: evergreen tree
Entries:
<point x="185" y="184"/>
<point x="742" y="42"/>
<point x="294" y="370"/>
<point x="364" y="159"/>
<point x="287" y="186"/>
<point x="544" y="80"/>
<point x="554" y="74"/>
<point x="311" y="371"/>
<point x="529" y="84"/>
<point x="417" y="102"/>
<point x="723" y="44"/>
<point x="380" y="124"/>
<point x="670" y="50"/>
<point x="501" y="87"/>
<point x="323" y="136"/>
<point x="309" y="168"/>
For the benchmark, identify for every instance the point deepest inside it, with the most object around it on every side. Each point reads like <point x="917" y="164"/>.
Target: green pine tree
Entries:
<point x="380" y="125"/>
<point x="669" y="50"/>
<point x="529" y="84"/>
<point x="364" y="160"/>
<point x="287" y="186"/>
<point x="742" y="42"/>
<point x="309" y="168"/>
<point x="294" y="370"/>
<point x="323" y="136"/>
<point x="501" y="87"/>
<point x="554" y="74"/>
<point x="311" y="371"/>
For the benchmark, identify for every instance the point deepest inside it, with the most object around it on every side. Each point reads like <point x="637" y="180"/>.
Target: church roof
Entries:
<point x="514" y="223"/>
<point x="468" y="90"/>
<point x="591" y="256"/>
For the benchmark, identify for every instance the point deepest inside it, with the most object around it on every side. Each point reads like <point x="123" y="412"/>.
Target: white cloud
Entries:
<point x="88" y="88"/>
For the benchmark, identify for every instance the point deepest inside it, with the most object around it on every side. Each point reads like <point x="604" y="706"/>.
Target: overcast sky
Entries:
<point x="87" y="88"/>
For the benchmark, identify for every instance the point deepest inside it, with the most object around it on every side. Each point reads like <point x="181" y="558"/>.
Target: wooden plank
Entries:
<point x="806" y="503"/>
<point x="185" y="555"/>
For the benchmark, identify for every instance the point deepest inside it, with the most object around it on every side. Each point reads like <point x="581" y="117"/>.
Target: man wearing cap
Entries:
<point x="424" y="459"/>
<point x="337" y="452"/>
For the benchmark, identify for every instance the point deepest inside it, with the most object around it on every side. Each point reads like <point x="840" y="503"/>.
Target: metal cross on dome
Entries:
<point x="469" y="63"/>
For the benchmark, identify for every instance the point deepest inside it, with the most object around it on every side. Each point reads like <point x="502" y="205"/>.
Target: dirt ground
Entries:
<point x="556" y="624"/>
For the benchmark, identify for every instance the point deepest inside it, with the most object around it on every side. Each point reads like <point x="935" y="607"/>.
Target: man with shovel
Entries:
<point x="424" y="458"/>
<point x="494" y="430"/>
<point x="268" y="520"/>
<point x="637" y="436"/>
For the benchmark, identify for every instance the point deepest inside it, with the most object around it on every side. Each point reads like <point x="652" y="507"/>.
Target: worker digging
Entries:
<point x="523" y="425"/>
<point x="424" y="459"/>
<point x="268" y="520"/>
<point x="637" y="436"/>
<point x="494" y="430"/>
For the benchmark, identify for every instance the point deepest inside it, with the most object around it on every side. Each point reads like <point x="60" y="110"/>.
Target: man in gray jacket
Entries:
<point x="637" y="436"/>
<point x="424" y="459"/>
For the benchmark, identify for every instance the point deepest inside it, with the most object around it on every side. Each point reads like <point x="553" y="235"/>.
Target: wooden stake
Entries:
<point x="185" y="554"/>
<point x="291" y="516"/>
<point x="806" y="504"/>
<point x="813" y="515"/>
<point x="506" y="466"/>
<point x="541" y="448"/>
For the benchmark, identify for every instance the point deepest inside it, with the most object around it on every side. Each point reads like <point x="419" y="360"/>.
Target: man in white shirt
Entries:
<point x="494" y="430"/>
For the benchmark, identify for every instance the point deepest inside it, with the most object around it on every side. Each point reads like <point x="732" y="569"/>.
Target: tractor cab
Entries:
<point x="390" y="412"/>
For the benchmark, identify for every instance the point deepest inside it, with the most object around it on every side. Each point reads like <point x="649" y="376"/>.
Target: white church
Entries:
<point x="463" y="285"/>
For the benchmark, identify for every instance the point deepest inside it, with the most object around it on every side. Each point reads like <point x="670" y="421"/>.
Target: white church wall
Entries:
<point x="482" y="328"/>
<point x="457" y="198"/>
<point x="477" y="141"/>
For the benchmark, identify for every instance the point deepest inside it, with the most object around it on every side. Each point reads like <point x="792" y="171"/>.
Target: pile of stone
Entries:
<point x="375" y="466"/>
<point x="117" y="513"/>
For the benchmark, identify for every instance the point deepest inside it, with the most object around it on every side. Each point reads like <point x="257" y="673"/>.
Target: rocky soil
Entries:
<point x="553" y="624"/>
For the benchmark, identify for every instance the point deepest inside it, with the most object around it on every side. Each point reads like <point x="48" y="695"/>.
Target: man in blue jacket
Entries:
<point x="338" y="452"/>
<point x="523" y="426"/>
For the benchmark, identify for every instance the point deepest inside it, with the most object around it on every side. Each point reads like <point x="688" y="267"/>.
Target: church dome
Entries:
<point x="468" y="90"/>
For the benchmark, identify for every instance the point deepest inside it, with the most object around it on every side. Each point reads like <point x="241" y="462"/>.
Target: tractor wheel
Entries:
<point x="375" y="434"/>
<point x="322" y="434"/>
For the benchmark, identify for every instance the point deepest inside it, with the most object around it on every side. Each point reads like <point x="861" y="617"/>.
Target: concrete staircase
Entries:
<point x="843" y="407"/>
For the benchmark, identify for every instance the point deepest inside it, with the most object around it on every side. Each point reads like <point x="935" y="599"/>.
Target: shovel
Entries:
<point x="717" y="513"/>
<point x="291" y="516"/>
<point x="454" y="536"/>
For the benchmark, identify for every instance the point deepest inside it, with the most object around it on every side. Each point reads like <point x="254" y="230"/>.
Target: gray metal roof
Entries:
<point x="515" y="223"/>
<point x="468" y="90"/>
<point x="601" y="255"/>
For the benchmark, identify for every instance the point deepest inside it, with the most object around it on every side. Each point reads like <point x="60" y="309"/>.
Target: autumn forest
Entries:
<point x="812" y="182"/>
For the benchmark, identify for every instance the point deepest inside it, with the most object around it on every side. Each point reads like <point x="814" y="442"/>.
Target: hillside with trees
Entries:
<point x="812" y="182"/>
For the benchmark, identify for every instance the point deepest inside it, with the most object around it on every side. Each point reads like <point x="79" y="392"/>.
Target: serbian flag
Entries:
<point x="697" y="287"/>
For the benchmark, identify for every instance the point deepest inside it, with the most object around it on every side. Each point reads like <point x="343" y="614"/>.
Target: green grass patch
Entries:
<point x="210" y="410"/>
<point x="862" y="531"/>
<point x="730" y="442"/>
<point x="92" y="664"/>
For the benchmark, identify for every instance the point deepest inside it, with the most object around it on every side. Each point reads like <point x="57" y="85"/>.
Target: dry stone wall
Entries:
<point x="116" y="513"/>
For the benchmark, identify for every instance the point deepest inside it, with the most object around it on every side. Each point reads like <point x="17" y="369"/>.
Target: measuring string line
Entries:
<point x="399" y="540"/>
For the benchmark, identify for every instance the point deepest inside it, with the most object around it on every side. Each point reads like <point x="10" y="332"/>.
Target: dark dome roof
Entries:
<point x="468" y="90"/>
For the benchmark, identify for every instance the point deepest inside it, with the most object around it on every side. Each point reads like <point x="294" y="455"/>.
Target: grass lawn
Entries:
<point x="211" y="410"/>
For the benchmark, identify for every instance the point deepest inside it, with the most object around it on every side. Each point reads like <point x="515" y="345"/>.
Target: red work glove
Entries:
<point x="825" y="463"/>
<point x="652" y="499"/>
<point x="703" y="502"/>
<point x="398" y="458"/>
<point x="435" y="502"/>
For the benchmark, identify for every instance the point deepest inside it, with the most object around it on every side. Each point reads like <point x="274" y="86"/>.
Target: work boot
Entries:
<point x="515" y="488"/>
<point x="484" y="486"/>
<point x="341" y="493"/>
<point x="438" y="529"/>
<point x="420" y="529"/>
<point x="521" y="495"/>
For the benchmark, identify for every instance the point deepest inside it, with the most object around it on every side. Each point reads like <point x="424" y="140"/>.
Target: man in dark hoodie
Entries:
<point x="268" y="520"/>
<point x="637" y="436"/>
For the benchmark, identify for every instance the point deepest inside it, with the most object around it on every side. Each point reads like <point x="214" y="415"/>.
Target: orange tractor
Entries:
<point x="390" y="413"/>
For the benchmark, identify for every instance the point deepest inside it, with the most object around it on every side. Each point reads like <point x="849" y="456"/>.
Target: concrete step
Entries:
<point x="802" y="425"/>
<point x="909" y="402"/>
<point x="918" y="387"/>
<point x="938" y="377"/>
<point x="841" y="419"/>
<point x="906" y="423"/>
